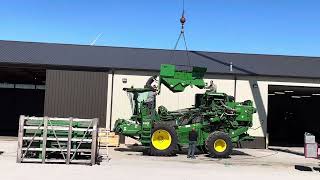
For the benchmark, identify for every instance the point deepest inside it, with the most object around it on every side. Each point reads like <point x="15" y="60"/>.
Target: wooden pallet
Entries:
<point x="107" y="138"/>
<point x="72" y="147"/>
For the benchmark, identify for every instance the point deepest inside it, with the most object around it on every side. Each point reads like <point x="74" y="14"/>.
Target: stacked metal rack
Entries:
<point x="57" y="140"/>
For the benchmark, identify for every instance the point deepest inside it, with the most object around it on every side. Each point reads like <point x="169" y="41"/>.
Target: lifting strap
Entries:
<point x="182" y="21"/>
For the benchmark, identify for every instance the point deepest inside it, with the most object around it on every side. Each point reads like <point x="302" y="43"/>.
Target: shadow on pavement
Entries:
<point x="302" y="168"/>
<point x="286" y="151"/>
<point x="239" y="153"/>
<point x="184" y="151"/>
<point x="131" y="149"/>
<point x="316" y="169"/>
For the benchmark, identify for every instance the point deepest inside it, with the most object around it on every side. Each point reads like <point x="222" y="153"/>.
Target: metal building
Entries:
<point x="86" y="81"/>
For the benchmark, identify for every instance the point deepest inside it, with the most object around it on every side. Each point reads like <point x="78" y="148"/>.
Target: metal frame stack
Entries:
<point x="57" y="140"/>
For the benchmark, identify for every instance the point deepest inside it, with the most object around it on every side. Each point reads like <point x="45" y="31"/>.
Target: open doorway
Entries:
<point x="292" y="111"/>
<point x="22" y="92"/>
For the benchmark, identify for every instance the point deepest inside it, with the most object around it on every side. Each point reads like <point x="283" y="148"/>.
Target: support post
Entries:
<point x="94" y="141"/>
<point x="44" y="140"/>
<point x="20" y="138"/>
<point x="69" y="140"/>
<point x="108" y="133"/>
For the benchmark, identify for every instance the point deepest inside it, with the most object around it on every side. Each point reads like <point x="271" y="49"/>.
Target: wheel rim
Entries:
<point x="220" y="145"/>
<point x="161" y="139"/>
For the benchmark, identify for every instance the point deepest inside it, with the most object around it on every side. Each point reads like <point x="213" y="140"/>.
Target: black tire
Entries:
<point x="171" y="149"/>
<point x="215" y="137"/>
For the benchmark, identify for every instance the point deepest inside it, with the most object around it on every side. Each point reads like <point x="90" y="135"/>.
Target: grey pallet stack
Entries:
<point x="57" y="140"/>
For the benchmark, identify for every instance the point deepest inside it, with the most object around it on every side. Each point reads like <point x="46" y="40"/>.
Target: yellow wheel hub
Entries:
<point x="220" y="145"/>
<point x="161" y="139"/>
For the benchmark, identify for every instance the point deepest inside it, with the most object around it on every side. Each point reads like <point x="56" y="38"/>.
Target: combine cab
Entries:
<point x="217" y="118"/>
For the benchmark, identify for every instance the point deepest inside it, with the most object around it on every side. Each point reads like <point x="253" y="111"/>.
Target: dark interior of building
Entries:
<point x="292" y="111"/>
<point x="21" y="93"/>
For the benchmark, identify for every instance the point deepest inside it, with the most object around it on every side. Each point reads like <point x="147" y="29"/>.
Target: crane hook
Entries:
<point x="182" y="21"/>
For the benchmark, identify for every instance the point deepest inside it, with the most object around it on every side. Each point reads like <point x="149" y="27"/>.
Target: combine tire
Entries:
<point x="203" y="149"/>
<point x="164" y="140"/>
<point x="219" y="144"/>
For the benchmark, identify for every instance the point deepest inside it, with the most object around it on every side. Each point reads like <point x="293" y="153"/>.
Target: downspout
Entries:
<point x="235" y="88"/>
<point x="111" y="103"/>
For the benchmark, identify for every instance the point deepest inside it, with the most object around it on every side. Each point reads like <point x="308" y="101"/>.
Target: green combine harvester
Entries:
<point x="217" y="118"/>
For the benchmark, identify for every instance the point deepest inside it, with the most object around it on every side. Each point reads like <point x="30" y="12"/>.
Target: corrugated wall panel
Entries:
<point x="76" y="94"/>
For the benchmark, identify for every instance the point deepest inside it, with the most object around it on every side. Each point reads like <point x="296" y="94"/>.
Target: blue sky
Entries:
<point x="290" y="27"/>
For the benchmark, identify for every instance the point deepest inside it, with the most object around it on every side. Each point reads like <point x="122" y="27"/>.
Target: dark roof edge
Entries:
<point x="161" y="49"/>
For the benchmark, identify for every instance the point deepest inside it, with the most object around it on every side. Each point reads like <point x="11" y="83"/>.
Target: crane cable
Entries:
<point x="182" y="21"/>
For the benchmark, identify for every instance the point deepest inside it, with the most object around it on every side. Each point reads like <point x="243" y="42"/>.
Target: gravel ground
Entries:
<point x="129" y="163"/>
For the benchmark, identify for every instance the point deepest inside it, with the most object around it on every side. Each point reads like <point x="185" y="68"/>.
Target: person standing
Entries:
<point x="212" y="87"/>
<point x="193" y="138"/>
<point x="151" y="100"/>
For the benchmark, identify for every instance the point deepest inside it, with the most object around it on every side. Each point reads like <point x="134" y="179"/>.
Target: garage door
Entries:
<point x="292" y="111"/>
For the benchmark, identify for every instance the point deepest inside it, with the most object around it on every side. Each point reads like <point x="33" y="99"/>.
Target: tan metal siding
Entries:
<point x="172" y="101"/>
<point x="77" y="94"/>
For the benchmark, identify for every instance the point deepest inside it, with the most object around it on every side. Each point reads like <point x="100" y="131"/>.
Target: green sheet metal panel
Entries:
<point x="178" y="80"/>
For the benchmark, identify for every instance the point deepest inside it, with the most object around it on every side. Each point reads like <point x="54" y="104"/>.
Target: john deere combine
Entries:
<point x="217" y="118"/>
